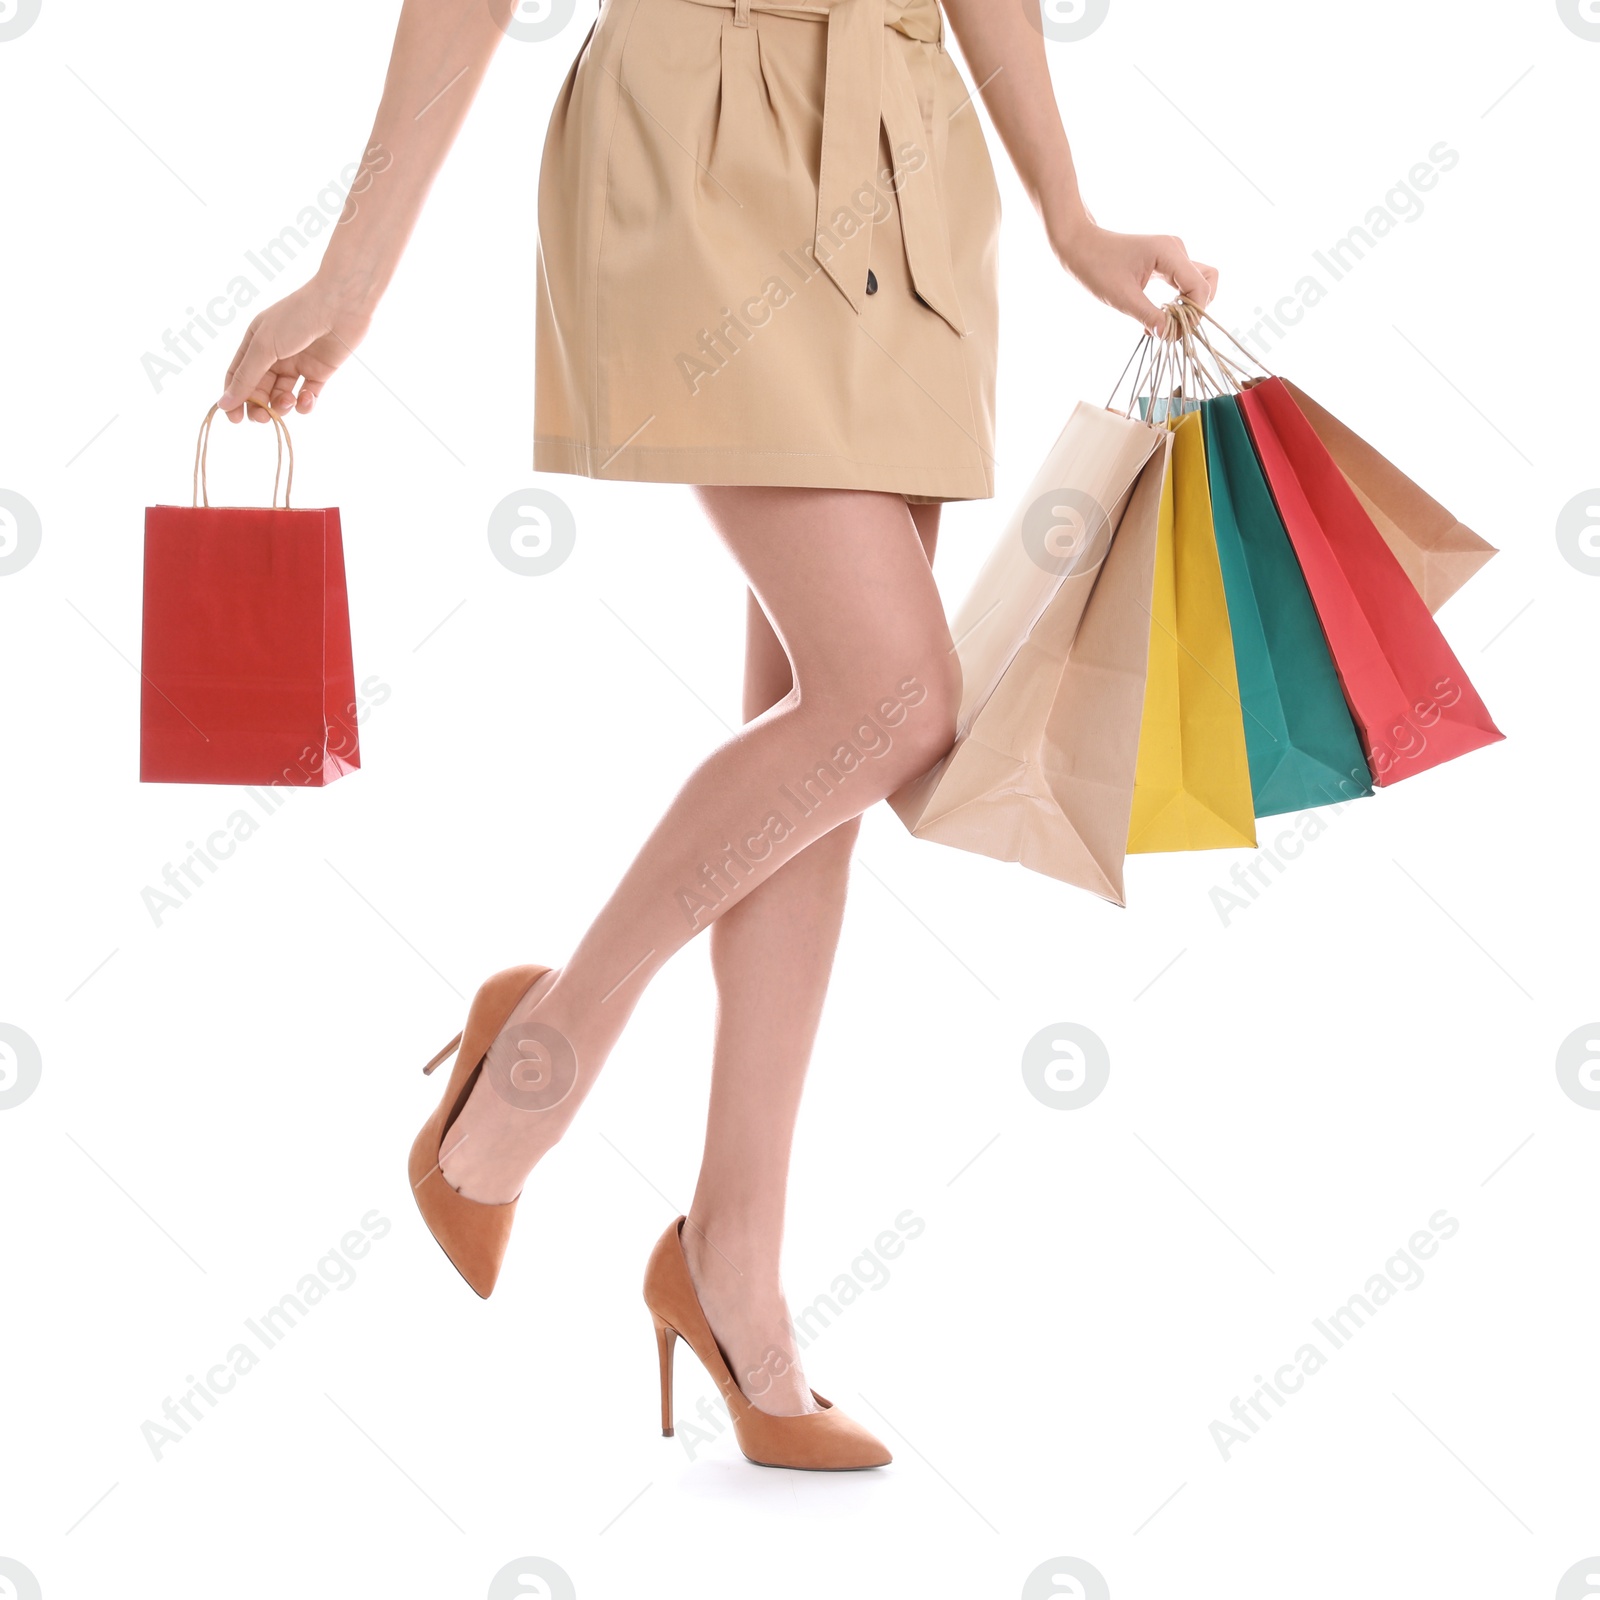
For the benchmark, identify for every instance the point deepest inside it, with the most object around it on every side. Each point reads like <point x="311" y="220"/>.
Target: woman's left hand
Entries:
<point x="1116" y="267"/>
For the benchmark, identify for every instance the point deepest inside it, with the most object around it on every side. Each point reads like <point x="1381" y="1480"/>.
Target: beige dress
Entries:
<point x="767" y="241"/>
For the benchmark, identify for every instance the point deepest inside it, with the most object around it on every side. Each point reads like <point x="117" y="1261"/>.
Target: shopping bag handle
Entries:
<point x="1169" y="367"/>
<point x="203" y="445"/>
<point x="1238" y="376"/>
<point x="1176" y="367"/>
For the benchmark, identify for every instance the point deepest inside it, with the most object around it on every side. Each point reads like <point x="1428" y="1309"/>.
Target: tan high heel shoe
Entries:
<point x="472" y="1234"/>
<point x="820" y="1441"/>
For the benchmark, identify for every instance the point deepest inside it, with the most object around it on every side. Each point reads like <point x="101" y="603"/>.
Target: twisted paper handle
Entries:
<point x="203" y="444"/>
<point x="1167" y="367"/>
<point x="1176" y="368"/>
<point x="1233" y="374"/>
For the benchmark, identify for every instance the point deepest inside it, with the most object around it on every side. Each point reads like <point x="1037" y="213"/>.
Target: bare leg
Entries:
<point x="771" y="955"/>
<point x="845" y="580"/>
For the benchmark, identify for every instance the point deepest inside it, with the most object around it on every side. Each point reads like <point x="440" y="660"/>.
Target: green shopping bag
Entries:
<point x="1299" y="736"/>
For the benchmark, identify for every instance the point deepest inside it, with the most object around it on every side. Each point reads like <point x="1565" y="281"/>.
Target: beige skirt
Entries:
<point x="767" y="239"/>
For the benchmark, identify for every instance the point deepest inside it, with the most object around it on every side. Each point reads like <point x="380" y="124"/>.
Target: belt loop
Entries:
<point x="741" y="13"/>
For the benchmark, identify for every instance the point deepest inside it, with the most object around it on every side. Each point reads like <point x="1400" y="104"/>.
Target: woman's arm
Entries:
<point x="441" y="52"/>
<point x="1003" y="42"/>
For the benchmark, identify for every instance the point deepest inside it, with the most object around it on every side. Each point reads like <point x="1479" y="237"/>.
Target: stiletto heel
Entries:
<point x="443" y="1055"/>
<point x="820" y="1441"/>
<point x="472" y="1234"/>
<point x="665" y="1339"/>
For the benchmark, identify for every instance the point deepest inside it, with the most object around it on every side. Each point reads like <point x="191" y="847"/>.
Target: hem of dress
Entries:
<point x="755" y="468"/>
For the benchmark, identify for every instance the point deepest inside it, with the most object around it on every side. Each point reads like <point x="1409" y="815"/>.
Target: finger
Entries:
<point x="282" y="395"/>
<point x="228" y="400"/>
<point x="1151" y="317"/>
<point x="250" y="367"/>
<point x="233" y="411"/>
<point x="309" y="390"/>
<point x="1173" y="263"/>
<point x="238" y="355"/>
<point x="1158" y="321"/>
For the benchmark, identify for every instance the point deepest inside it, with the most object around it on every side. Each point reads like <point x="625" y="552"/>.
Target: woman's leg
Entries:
<point x="771" y="956"/>
<point x="845" y="580"/>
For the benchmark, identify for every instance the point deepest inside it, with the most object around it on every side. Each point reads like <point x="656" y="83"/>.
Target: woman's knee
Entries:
<point x="910" y="715"/>
<point x="931" y="699"/>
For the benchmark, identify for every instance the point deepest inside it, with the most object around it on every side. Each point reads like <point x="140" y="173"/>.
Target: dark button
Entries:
<point x="872" y="281"/>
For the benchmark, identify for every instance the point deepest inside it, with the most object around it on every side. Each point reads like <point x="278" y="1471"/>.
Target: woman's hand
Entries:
<point x="1005" y="51"/>
<point x="1116" y="267"/>
<point x="304" y="338"/>
<point x="441" y="51"/>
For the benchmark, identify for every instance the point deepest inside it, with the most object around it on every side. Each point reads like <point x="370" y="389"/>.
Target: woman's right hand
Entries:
<point x="1118" y="267"/>
<point x="304" y="338"/>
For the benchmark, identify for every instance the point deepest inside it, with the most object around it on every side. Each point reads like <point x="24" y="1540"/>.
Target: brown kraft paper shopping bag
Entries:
<point x="1438" y="553"/>
<point x="1053" y="641"/>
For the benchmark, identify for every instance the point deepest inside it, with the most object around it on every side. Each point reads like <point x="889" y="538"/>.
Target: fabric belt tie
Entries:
<point x="867" y="87"/>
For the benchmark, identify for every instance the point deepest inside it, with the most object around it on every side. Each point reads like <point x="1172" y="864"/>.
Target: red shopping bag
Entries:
<point x="246" y="650"/>
<point x="1412" y="702"/>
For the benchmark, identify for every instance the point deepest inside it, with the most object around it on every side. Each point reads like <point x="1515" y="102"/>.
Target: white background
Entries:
<point x="1291" y="1096"/>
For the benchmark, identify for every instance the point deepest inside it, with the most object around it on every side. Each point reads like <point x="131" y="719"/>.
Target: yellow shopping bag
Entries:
<point x="1191" y="788"/>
